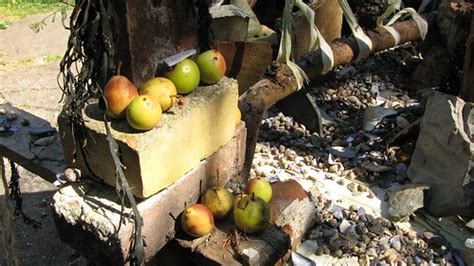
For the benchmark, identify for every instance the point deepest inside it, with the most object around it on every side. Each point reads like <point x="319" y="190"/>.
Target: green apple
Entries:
<point x="185" y="76"/>
<point x="143" y="112"/>
<point x="161" y="89"/>
<point x="260" y="187"/>
<point x="251" y="214"/>
<point x="219" y="200"/>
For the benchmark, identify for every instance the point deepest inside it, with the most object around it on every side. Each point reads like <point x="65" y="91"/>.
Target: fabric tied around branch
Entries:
<point x="363" y="41"/>
<point x="394" y="5"/>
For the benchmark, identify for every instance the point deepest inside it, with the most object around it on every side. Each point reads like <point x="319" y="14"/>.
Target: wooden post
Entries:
<point x="467" y="89"/>
<point x="151" y="31"/>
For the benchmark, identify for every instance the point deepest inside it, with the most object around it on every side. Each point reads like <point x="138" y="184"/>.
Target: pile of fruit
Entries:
<point x="250" y="211"/>
<point x="143" y="107"/>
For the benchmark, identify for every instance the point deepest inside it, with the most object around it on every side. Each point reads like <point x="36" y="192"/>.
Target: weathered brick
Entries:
<point x="155" y="159"/>
<point x="88" y="222"/>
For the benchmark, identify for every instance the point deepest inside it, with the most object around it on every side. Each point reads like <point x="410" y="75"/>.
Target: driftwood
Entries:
<point x="278" y="82"/>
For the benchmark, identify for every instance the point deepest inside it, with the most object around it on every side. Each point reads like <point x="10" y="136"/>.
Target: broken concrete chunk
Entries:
<point x="405" y="201"/>
<point x="443" y="157"/>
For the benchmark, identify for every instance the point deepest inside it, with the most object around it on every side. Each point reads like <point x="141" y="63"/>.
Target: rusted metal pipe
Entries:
<point x="278" y="81"/>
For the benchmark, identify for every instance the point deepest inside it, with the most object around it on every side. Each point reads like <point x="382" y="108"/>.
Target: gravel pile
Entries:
<point x="369" y="114"/>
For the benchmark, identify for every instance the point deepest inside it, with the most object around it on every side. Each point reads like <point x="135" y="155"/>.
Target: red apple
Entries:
<point x="212" y="66"/>
<point x="197" y="220"/>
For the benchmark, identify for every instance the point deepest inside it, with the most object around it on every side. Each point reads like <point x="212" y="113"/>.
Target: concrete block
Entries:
<point x="87" y="217"/>
<point x="155" y="159"/>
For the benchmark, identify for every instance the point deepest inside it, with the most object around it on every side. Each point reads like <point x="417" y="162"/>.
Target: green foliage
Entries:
<point x="4" y="23"/>
<point x="11" y="10"/>
<point x="53" y="58"/>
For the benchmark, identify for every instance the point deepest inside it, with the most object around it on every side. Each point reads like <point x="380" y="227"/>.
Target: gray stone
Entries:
<point x="443" y="157"/>
<point x="406" y="200"/>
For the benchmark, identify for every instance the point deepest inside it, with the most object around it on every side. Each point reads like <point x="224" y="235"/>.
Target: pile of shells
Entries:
<point x="350" y="146"/>
<point x="354" y="233"/>
<point x="365" y="107"/>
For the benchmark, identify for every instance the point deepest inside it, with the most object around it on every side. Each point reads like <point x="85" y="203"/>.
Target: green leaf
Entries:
<point x="284" y="51"/>
<point x="363" y="41"/>
<point x="317" y="41"/>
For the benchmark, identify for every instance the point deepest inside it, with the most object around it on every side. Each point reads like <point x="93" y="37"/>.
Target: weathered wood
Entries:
<point x="44" y="161"/>
<point x="87" y="217"/>
<point x="151" y="31"/>
<point x="467" y="90"/>
<point x="279" y="82"/>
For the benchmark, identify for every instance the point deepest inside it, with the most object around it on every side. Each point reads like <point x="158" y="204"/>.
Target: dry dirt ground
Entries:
<point x="28" y="70"/>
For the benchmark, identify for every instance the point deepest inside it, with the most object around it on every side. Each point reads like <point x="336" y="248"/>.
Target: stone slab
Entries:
<point x="87" y="217"/>
<point x="155" y="159"/>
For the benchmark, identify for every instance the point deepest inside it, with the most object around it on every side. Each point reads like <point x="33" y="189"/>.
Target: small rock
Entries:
<point x="371" y="252"/>
<point x="72" y="175"/>
<point x="354" y="100"/>
<point x="11" y="116"/>
<point x="342" y="152"/>
<point x="383" y="241"/>
<point x="333" y="168"/>
<point x="470" y="224"/>
<point x="397" y="245"/>
<point x="25" y="122"/>
<point x="329" y="232"/>
<point x="345" y="226"/>
<point x="373" y="167"/>
<point x="352" y="187"/>
<point x="308" y="247"/>
<point x="405" y="201"/>
<point x="468" y="251"/>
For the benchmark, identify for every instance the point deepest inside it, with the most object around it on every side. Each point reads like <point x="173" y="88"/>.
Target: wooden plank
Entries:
<point x="44" y="161"/>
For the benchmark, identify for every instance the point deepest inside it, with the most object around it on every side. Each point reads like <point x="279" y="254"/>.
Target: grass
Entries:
<point x="11" y="12"/>
<point x="53" y="58"/>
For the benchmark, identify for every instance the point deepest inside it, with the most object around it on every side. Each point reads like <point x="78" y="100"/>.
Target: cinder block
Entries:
<point x="155" y="159"/>
<point x="88" y="220"/>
